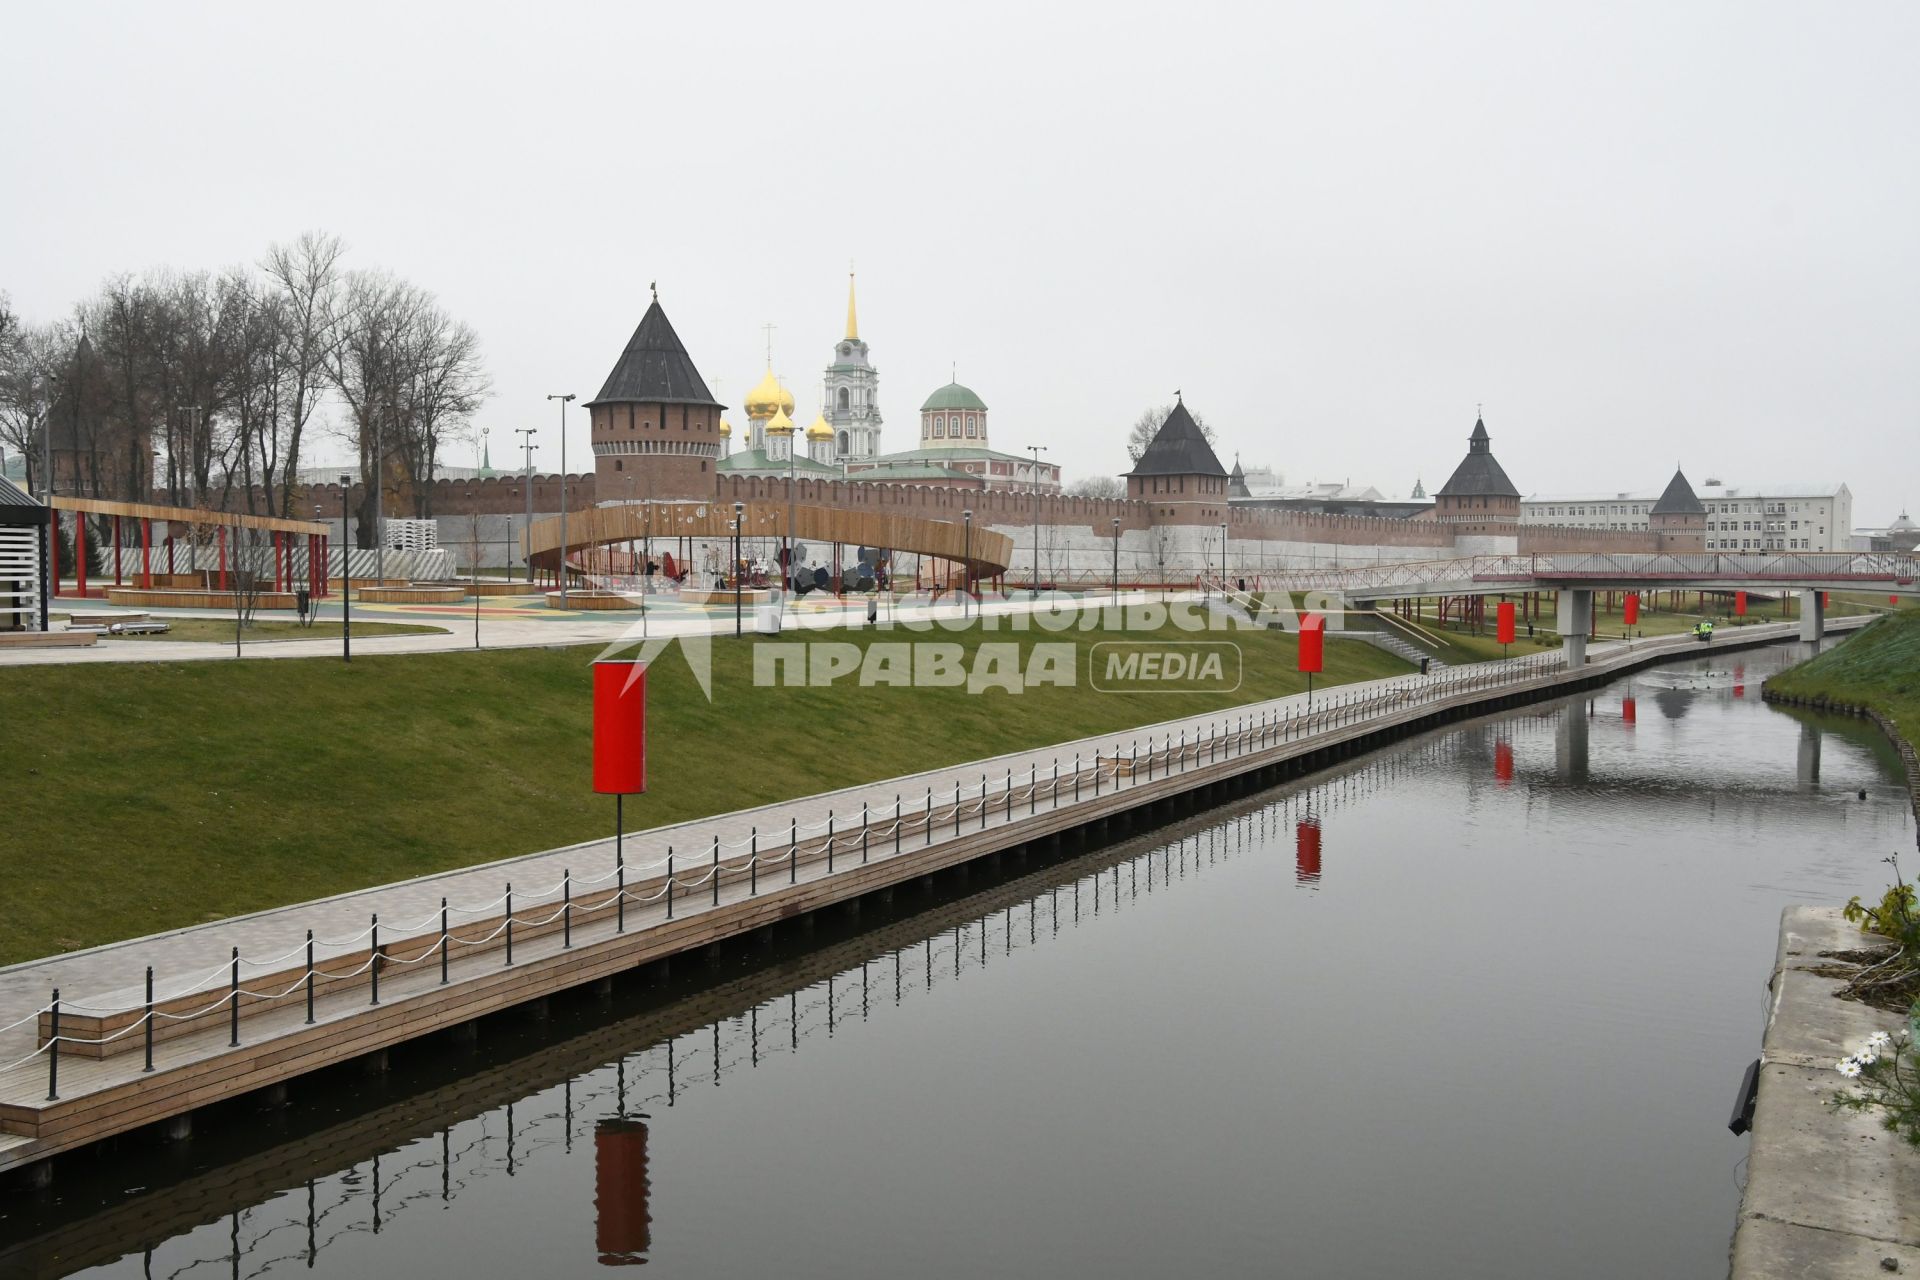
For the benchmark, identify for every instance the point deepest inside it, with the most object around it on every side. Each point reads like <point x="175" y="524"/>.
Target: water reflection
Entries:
<point x="964" y="1057"/>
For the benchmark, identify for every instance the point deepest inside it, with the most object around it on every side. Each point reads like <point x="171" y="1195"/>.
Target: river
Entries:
<point x="1476" y="1005"/>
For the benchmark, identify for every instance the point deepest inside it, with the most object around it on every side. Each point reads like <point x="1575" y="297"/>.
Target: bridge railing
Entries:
<point x="1468" y="573"/>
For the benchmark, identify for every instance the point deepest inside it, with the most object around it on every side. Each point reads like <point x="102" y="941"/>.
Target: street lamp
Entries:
<point x="966" y="564"/>
<point x="1223" y="562"/>
<point x="564" y="400"/>
<point x="473" y="514"/>
<point x="739" y="517"/>
<point x="1116" y="559"/>
<point x="526" y="448"/>
<point x="346" y="575"/>
<point x="1033" y="478"/>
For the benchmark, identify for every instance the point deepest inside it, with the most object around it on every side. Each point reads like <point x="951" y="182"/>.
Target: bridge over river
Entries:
<point x="1578" y="575"/>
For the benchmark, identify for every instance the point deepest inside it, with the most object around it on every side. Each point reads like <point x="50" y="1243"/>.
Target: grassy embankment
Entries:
<point x="1878" y="668"/>
<point x="156" y="795"/>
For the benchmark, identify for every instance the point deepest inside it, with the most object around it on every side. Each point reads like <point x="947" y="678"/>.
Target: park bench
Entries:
<point x="47" y="639"/>
<point x="105" y="619"/>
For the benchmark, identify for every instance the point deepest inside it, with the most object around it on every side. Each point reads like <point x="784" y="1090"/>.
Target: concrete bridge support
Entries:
<point x="1575" y="619"/>
<point x="1813" y="615"/>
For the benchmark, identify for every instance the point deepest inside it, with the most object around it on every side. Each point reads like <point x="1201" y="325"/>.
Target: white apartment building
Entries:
<point x="1783" y="517"/>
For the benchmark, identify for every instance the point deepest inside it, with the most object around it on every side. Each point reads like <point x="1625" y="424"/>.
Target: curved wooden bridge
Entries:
<point x="985" y="552"/>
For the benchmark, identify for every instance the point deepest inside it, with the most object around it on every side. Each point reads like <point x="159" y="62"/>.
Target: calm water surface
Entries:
<point x="1474" y="1006"/>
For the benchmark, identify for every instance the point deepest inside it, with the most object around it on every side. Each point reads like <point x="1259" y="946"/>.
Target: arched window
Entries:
<point x="843" y="436"/>
<point x="846" y="398"/>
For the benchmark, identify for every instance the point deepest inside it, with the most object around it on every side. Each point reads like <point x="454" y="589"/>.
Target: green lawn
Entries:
<point x="155" y="795"/>
<point x="1878" y="667"/>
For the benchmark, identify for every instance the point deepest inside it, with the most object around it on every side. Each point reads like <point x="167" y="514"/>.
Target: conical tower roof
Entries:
<point x="1179" y="448"/>
<point x="1237" y="481"/>
<point x="1679" y="499"/>
<point x="1478" y="475"/>
<point x="655" y="368"/>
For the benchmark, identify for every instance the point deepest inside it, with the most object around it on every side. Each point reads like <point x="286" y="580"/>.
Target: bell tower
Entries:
<point x="851" y="392"/>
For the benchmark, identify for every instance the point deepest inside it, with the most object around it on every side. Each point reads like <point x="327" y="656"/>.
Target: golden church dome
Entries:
<point x="768" y="398"/>
<point x="781" y="424"/>
<point x="821" y="429"/>
<point x="726" y="429"/>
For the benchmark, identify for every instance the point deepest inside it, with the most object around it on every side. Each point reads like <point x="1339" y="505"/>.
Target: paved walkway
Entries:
<point x="538" y="629"/>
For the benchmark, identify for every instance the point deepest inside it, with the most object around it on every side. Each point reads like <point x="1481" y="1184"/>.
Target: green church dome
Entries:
<point x="953" y="396"/>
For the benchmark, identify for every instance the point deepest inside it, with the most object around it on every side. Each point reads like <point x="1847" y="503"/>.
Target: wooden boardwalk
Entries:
<point x="577" y="918"/>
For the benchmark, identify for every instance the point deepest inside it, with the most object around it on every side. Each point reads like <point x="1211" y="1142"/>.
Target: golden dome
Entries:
<point x="726" y="429"/>
<point x="768" y="398"/>
<point x="781" y="424"/>
<point x="821" y="429"/>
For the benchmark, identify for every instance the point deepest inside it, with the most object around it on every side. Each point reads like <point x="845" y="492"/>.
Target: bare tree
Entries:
<point x="446" y="384"/>
<point x="1098" y="487"/>
<point x="30" y="360"/>
<point x="306" y="277"/>
<point x="369" y="368"/>
<point x="1148" y="424"/>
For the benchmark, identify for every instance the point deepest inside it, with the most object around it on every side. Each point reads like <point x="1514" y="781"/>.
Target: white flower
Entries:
<point x="1868" y="1054"/>
<point x="1879" y="1038"/>
<point x="1848" y="1067"/>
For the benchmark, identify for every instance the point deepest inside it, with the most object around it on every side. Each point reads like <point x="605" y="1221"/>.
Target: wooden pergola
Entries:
<point x="283" y="531"/>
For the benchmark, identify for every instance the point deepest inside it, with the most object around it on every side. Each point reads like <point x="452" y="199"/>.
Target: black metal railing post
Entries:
<point x="373" y="959"/>
<point x="233" y="1001"/>
<point x="753" y="861"/>
<point x="669" y="882"/>
<point x="566" y="907"/>
<point x="716" y="871"/>
<point x="443" y="941"/>
<point x="309" y="977"/>
<point x="509" y="923"/>
<point x="53" y="1050"/>
<point x="829" y="842"/>
<point x="863" y="832"/>
<point x="149" y="1021"/>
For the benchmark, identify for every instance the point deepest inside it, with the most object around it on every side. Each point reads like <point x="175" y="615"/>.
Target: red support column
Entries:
<point x="146" y="553"/>
<point x="80" y="550"/>
<point x="221" y="534"/>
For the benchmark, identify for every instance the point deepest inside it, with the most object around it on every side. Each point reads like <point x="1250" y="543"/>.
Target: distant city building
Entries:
<point x="1778" y="517"/>
<point x="1902" y="535"/>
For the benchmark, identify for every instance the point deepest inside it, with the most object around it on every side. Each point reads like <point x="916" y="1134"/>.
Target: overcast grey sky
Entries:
<point x="1639" y="233"/>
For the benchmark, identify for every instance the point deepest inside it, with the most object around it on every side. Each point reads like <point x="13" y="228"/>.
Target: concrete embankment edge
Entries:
<point x="1829" y="1193"/>
<point x="1908" y="756"/>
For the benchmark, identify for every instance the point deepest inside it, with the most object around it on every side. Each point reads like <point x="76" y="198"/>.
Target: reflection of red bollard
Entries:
<point x="1503" y="762"/>
<point x="1306" y="851"/>
<point x="1740" y="680"/>
<point x="623" y="1228"/>
<point x="1629" y="713"/>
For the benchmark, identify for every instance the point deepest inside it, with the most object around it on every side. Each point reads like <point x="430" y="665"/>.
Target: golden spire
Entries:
<point x="853" y="323"/>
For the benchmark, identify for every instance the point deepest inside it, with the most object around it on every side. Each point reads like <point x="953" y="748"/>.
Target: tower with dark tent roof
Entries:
<point x="1478" y="500"/>
<point x="1178" y="474"/>
<point x="1679" y="519"/>
<point x="656" y="427"/>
